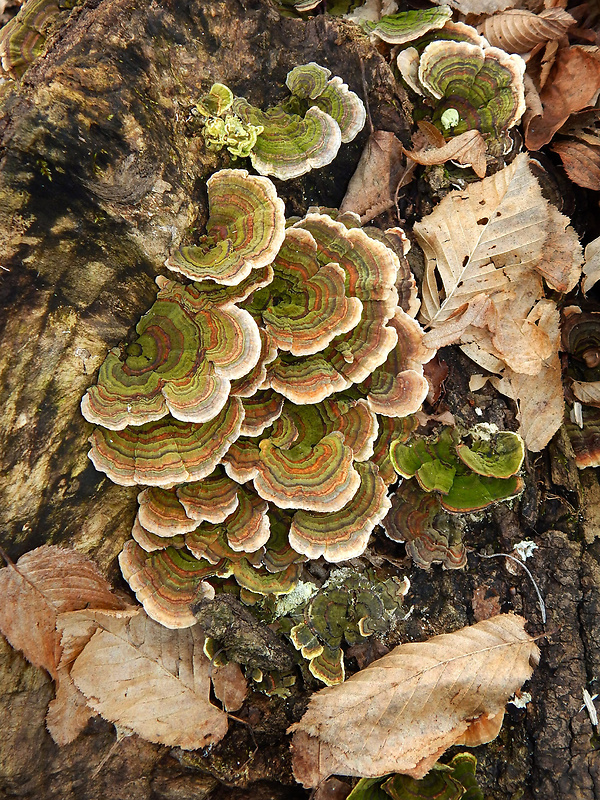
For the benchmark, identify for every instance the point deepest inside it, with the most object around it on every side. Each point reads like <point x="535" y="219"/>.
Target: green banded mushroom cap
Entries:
<point x="344" y="106"/>
<point x="483" y="86"/>
<point x="166" y="582"/>
<point x="305" y="306"/>
<point x="150" y="541"/>
<point x="187" y="353"/>
<point x="408" y="25"/>
<point x="429" y="537"/>
<point x="212" y="499"/>
<point x="339" y="536"/>
<point x="245" y="229"/>
<point x="260" y="411"/>
<point x="290" y="145"/>
<point x="399" y="387"/>
<point x="371" y="270"/>
<point x="316" y="478"/>
<point x="161" y="513"/>
<point x="307" y="81"/>
<point x="168" y="451"/>
<point x="499" y="455"/>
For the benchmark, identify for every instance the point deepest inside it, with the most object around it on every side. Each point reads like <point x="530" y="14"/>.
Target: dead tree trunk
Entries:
<point x="99" y="178"/>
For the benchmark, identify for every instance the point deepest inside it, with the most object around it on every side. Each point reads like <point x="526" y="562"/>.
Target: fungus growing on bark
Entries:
<point x="212" y="500"/>
<point x="245" y="229"/>
<point x="341" y="535"/>
<point x="289" y="145"/>
<point x="484" y="86"/>
<point x="168" y="451"/>
<point x="305" y="306"/>
<point x="399" y="387"/>
<point x="465" y="478"/>
<point x="349" y="607"/>
<point x="469" y="85"/>
<point x="429" y="534"/>
<point x="166" y="582"/>
<point x="408" y="25"/>
<point x="306" y="131"/>
<point x="371" y="270"/>
<point x="160" y="512"/>
<point x="187" y="353"/>
<point x="277" y="465"/>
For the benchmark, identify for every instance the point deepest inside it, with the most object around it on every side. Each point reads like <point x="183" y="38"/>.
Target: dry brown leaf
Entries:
<point x="519" y="31"/>
<point x="573" y="84"/>
<point x="44" y="583"/>
<point x="581" y="162"/>
<point x="151" y="680"/>
<point x="230" y="685"/>
<point x="479" y="6"/>
<point x="540" y="400"/>
<point x="591" y="269"/>
<point x="467" y="149"/>
<point x="68" y="713"/>
<point x="403" y="711"/>
<point x="380" y="171"/>
<point x="475" y="238"/>
<point x="488" y="248"/>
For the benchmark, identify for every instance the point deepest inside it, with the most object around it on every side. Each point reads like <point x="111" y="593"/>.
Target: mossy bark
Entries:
<point x="99" y="178"/>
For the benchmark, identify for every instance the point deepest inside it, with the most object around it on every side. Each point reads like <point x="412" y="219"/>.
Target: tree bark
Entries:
<point x="100" y="177"/>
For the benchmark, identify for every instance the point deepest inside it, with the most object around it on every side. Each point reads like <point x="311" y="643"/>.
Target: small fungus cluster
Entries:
<point x="451" y="478"/>
<point x="258" y="401"/>
<point x="350" y="607"/>
<point x="465" y="83"/>
<point x="289" y="139"/>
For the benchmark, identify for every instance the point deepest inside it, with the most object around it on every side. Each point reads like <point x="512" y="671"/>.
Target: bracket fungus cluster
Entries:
<point x="465" y="83"/>
<point x="350" y="607"/>
<point x="258" y="402"/>
<point x="289" y="139"/>
<point x="451" y="477"/>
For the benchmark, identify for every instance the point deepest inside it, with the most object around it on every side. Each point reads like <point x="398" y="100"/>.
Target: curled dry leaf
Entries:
<point x="519" y="30"/>
<point x="380" y="171"/>
<point x="468" y="149"/>
<point x="490" y="247"/>
<point x="478" y="6"/>
<point x="403" y="711"/>
<point x="150" y="680"/>
<point x="581" y="162"/>
<point x="573" y="84"/>
<point x="591" y="268"/>
<point x="42" y="584"/>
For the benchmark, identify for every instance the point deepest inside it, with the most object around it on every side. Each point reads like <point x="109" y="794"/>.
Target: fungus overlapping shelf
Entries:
<point x="259" y="400"/>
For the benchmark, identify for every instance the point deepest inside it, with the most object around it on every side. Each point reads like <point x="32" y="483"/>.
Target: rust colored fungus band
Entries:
<point x="212" y="500"/>
<point x="399" y="387"/>
<point x="168" y="451"/>
<point x="261" y="411"/>
<point x="320" y="478"/>
<point x="150" y="541"/>
<point x="339" y="536"/>
<point x="245" y="229"/>
<point x="161" y="513"/>
<point x="166" y="583"/>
